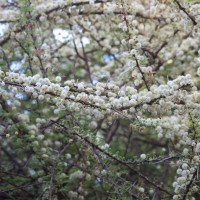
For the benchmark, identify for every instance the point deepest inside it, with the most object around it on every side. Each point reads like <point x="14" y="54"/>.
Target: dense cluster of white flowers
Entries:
<point x="119" y="82"/>
<point x="104" y="98"/>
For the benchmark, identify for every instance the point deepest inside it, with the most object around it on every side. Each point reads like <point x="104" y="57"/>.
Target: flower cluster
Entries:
<point x="100" y="98"/>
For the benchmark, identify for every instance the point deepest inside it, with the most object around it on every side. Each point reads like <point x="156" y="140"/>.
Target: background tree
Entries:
<point x="99" y="99"/>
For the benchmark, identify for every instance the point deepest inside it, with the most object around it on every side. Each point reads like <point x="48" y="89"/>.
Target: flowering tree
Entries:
<point x="99" y="99"/>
